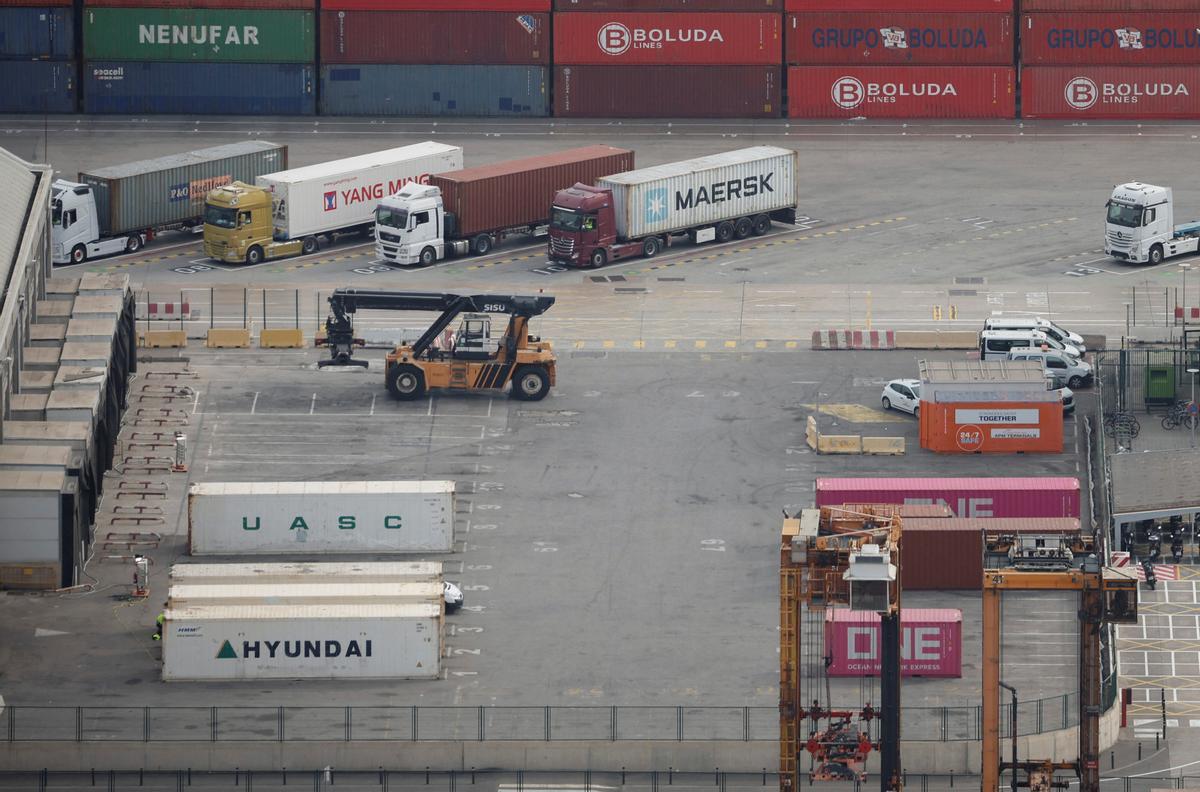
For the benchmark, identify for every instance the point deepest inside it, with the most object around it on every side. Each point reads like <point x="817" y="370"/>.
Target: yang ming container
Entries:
<point x="1123" y="38"/>
<point x="930" y="642"/>
<point x="884" y="38"/>
<point x="236" y="642"/>
<point x="453" y="37"/>
<point x="1141" y="92"/>
<point x="37" y="33"/>
<point x="305" y="572"/>
<point x="38" y="87"/>
<point x="901" y="92"/>
<point x="667" y="39"/>
<point x="1043" y="496"/>
<point x="398" y="90"/>
<point x="321" y="517"/>
<point x="198" y="35"/>
<point x="667" y="91"/>
<point x="198" y="88"/>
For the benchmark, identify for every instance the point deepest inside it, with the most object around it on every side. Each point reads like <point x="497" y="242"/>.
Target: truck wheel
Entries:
<point x="133" y="244"/>
<point x="725" y="231"/>
<point x="309" y="245"/>
<point x="254" y="255"/>
<point x="1156" y="255"/>
<point x="762" y="224"/>
<point x="743" y="227"/>
<point x="651" y="247"/>
<point x="405" y="382"/>
<point x="482" y="244"/>
<point x="530" y="383"/>
<point x="78" y="254"/>
<point x="598" y="258"/>
<point x="428" y="256"/>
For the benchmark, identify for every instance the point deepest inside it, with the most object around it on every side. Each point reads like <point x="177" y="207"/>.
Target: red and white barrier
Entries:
<point x="1193" y="314"/>
<point x="854" y="339"/>
<point x="1161" y="571"/>
<point x="166" y="310"/>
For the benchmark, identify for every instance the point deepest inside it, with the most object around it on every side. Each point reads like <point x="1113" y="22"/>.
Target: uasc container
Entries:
<point x="204" y="88"/>
<point x="425" y="37"/>
<point x="930" y="642"/>
<point x="671" y="39"/>
<point x="305" y="572"/>
<point x="882" y="38"/>
<point x="198" y="34"/>
<point x="412" y="90"/>
<point x="1043" y="496"/>
<point x="901" y="92"/>
<point x="1110" y="92"/>
<point x="667" y="92"/>
<point x="1112" y="37"/>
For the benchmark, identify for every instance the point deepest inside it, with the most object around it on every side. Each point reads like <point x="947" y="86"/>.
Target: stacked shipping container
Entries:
<point x="900" y="59"/>
<point x="435" y="58"/>
<point x="1110" y="59"/>
<point x="667" y="58"/>
<point x="37" y="50"/>
<point x="201" y="56"/>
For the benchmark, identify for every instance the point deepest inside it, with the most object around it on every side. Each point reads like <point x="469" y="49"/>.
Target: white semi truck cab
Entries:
<point x="411" y="227"/>
<point x="75" y="226"/>
<point x="1140" y="226"/>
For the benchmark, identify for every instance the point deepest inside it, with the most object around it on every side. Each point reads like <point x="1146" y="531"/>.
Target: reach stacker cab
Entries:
<point x="467" y="357"/>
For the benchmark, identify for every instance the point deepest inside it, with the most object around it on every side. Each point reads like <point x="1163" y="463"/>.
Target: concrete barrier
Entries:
<point x="839" y="444"/>
<point x="811" y="435"/>
<point x="853" y="339"/>
<point x="937" y="339"/>
<point x="164" y="339"/>
<point x="281" y="338"/>
<point x="227" y="338"/>
<point x="883" y="445"/>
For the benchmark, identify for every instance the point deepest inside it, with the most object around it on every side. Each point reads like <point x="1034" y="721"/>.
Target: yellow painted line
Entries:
<point x="579" y="345"/>
<point x="855" y="413"/>
<point x="760" y="344"/>
<point x="731" y="344"/>
<point x="639" y="344"/>
<point x="609" y="344"/>
<point x="790" y="345"/>
<point x="873" y="224"/>
<point x="701" y="344"/>
<point x="668" y="344"/>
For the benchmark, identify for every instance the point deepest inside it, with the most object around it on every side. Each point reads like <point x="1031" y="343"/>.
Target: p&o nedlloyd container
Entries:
<point x="358" y="641"/>
<point x="321" y="517"/>
<point x="316" y="572"/>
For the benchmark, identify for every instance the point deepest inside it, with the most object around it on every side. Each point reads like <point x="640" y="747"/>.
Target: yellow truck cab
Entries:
<point x="239" y="225"/>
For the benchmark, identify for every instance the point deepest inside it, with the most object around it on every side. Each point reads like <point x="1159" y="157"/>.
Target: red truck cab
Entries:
<point x="582" y="227"/>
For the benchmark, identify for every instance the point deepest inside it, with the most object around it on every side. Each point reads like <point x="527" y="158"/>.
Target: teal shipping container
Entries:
<point x="221" y="35"/>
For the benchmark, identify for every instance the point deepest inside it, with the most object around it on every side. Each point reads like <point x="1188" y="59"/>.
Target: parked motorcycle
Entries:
<point x="1151" y="578"/>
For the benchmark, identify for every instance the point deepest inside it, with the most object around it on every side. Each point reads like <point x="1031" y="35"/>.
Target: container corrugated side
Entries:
<point x="1109" y="5"/>
<point x="940" y="555"/>
<point x="699" y="192"/>
<point x="31" y="518"/>
<point x="1140" y="92"/>
<point x="436" y="5"/>
<point x="930" y="642"/>
<point x="199" y="35"/>
<point x="1043" y="496"/>
<point x="1119" y="38"/>
<point x="901" y="92"/>
<point x="299" y="572"/>
<point x="667" y="91"/>
<point x="171" y="189"/>
<point x="433" y="37"/>
<point x="38" y="87"/>
<point x="667" y="39"/>
<point x="668" y="5"/>
<point x="302" y="642"/>
<point x="992" y="427"/>
<point x="884" y="38"/>
<point x="403" y="90"/>
<point x="36" y="3"/>
<point x="918" y="6"/>
<point x="334" y="592"/>
<point x="518" y="193"/>
<point x="265" y="5"/>
<point x="47" y="32"/>
<point x="198" y="88"/>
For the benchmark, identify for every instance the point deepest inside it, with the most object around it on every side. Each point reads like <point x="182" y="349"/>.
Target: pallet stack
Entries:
<point x="37" y="53"/>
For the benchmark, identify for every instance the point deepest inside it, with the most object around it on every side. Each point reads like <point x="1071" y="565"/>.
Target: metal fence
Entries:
<point x="478" y="724"/>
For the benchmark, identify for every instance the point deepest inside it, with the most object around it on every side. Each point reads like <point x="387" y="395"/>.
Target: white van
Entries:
<point x="1066" y="370"/>
<point x="996" y="344"/>
<point x="999" y="321"/>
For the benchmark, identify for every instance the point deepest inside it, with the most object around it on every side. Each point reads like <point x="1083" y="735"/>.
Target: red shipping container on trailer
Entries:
<point x="901" y="92"/>
<point x="448" y="37"/>
<point x="668" y="5"/>
<point x="668" y="39"/>
<point x="883" y="38"/>
<point x="436" y="5"/>
<point x="1109" y="5"/>
<point x="1110" y="92"/>
<point x="914" y="6"/>
<point x="930" y="642"/>
<point x="666" y="92"/>
<point x="1128" y="38"/>
<point x="1043" y="496"/>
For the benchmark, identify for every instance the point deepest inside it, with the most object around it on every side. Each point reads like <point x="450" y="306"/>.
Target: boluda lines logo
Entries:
<point x="1082" y="93"/>
<point x="331" y="200"/>
<point x="850" y="92"/>
<point x="616" y="39"/>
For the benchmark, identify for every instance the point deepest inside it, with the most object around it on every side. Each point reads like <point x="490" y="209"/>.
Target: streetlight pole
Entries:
<point x="1192" y="413"/>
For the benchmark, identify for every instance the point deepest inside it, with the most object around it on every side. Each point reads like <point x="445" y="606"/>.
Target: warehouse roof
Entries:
<point x="1155" y="481"/>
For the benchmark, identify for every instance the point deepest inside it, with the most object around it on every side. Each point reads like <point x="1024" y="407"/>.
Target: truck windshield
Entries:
<point x="57" y="206"/>
<point x="570" y="220"/>
<point x="220" y="217"/>
<point x="392" y="218"/>
<point x="1124" y="214"/>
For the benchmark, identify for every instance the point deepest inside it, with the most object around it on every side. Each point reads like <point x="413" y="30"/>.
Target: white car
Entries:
<point x="903" y="395"/>
<point x="453" y="596"/>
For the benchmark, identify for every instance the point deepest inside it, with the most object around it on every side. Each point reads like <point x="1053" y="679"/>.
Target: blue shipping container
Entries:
<point x="37" y="87"/>
<point x="37" y="33"/>
<point x="198" y="88"/>
<point x="403" y="90"/>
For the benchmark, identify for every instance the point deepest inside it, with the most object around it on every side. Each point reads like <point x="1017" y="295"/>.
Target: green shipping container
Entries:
<point x="199" y="34"/>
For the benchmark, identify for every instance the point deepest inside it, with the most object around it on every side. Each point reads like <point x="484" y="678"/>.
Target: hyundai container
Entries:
<point x="667" y="91"/>
<point x="916" y="6"/>
<point x="37" y="33"/>
<point x="885" y="38"/>
<point x="286" y="212"/>
<point x="320" y="517"/>
<point x="901" y="92"/>
<point x="118" y="208"/>
<point x="1044" y="496"/>
<point x="1118" y="38"/>
<point x="435" y="37"/>
<point x="411" y="90"/>
<point x="199" y="35"/>
<point x="622" y="39"/>
<point x="436" y="5"/>
<point x="639" y="213"/>
<point x="472" y="210"/>
<point x="126" y="87"/>
<point x="38" y="86"/>
<point x="667" y="5"/>
<point x="343" y="592"/>
<point x="930" y="642"/>
<point x="41" y="530"/>
<point x="305" y="572"/>
<point x="1136" y="92"/>
<point x="251" y="642"/>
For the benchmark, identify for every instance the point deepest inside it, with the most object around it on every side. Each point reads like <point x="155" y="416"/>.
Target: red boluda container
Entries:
<point x="1128" y="38"/>
<point x="914" y="6"/>
<point x="667" y="92"/>
<point x="883" y="38"/>
<point x="435" y="37"/>
<point x="930" y="642"/>
<point x="901" y="92"/>
<point x="1110" y="92"/>
<point x="675" y="38"/>
<point x="1043" y="496"/>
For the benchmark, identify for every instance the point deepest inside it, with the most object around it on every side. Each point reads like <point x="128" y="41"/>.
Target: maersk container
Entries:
<point x="43" y="33"/>
<point x="199" y="35"/>
<point x="305" y="572"/>
<point x="38" y="87"/>
<point x="667" y="91"/>
<point x="433" y="37"/>
<point x="1118" y="38"/>
<point x="885" y="38"/>
<point x="198" y="88"/>
<point x="302" y="642"/>
<point x="334" y="592"/>
<point x="1043" y="496"/>
<point x="901" y="92"/>
<point x="701" y="192"/>
<point x="171" y="189"/>
<point x="321" y="517"/>
<point x="1134" y="92"/>
<point x="344" y="193"/>
<point x="403" y="90"/>
<point x="668" y="39"/>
